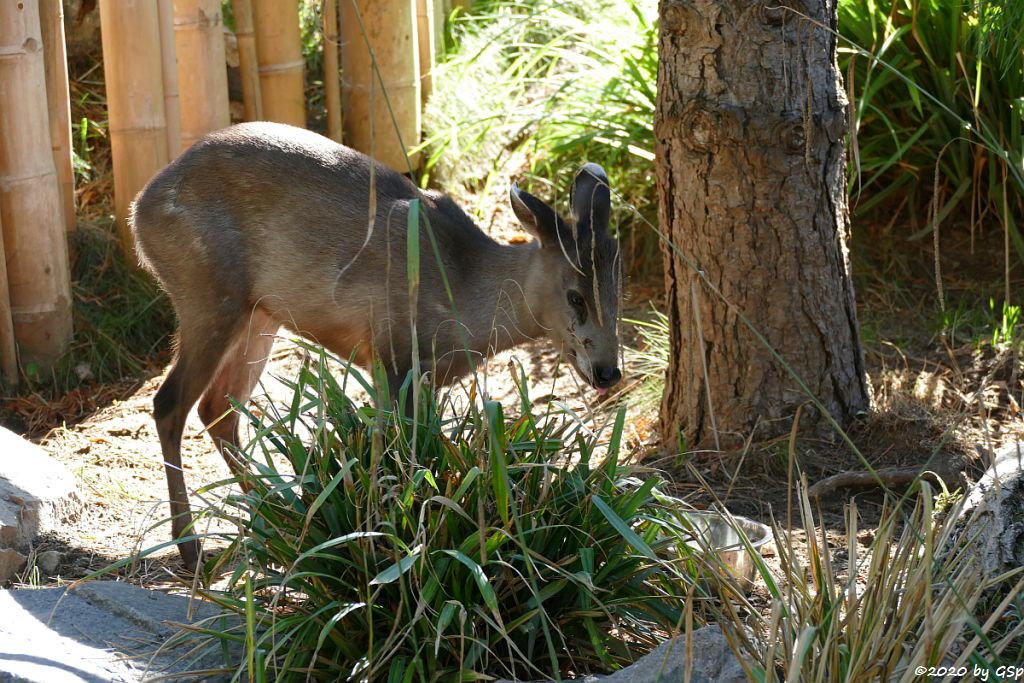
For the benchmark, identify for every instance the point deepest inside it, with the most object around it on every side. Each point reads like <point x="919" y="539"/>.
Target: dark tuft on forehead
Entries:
<point x="602" y="253"/>
<point x="599" y="260"/>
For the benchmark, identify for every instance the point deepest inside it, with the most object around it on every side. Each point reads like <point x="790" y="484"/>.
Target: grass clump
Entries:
<point x="442" y="548"/>
<point x="971" y="322"/>
<point x="649" y="362"/>
<point x="122" y="317"/>
<point x="913" y="600"/>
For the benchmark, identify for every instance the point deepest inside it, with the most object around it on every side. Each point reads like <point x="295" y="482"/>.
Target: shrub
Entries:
<point x="941" y="84"/>
<point x="442" y="548"/>
<point x="914" y="598"/>
<point x="550" y="85"/>
<point x="649" y="362"/>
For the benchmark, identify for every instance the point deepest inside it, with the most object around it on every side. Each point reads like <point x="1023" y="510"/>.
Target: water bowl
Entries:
<point x="721" y="534"/>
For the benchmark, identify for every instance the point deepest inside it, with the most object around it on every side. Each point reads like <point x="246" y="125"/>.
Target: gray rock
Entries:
<point x="48" y="561"/>
<point x="37" y="493"/>
<point x="101" y="631"/>
<point x="992" y="517"/>
<point x="11" y="562"/>
<point x="711" y="661"/>
<point x="152" y="611"/>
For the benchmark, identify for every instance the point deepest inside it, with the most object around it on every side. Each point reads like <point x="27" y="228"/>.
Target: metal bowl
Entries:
<point x="721" y="534"/>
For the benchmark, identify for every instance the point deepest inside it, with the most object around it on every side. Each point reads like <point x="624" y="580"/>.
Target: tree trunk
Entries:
<point x="751" y="164"/>
<point x="248" y="62"/>
<point x="8" y="344"/>
<point x="425" y="21"/>
<point x="332" y="72"/>
<point x="279" y="51"/>
<point x="169" y="76"/>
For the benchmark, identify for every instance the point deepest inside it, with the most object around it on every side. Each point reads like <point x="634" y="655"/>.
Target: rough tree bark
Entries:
<point x="751" y="164"/>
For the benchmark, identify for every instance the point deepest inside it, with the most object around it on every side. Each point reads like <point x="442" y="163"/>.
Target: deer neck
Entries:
<point x="505" y="307"/>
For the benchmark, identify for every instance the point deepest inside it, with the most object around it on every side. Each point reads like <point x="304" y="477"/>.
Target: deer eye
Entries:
<point x="576" y="301"/>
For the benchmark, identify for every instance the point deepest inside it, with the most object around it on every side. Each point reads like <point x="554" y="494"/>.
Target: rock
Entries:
<point x="11" y="562"/>
<point x="37" y="493"/>
<point x="101" y="631"/>
<point x="712" y="661"/>
<point x="48" y="561"/>
<point x="993" y="513"/>
<point x="84" y="372"/>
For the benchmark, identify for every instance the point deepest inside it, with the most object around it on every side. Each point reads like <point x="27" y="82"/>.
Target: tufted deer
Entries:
<point x="262" y="225"/>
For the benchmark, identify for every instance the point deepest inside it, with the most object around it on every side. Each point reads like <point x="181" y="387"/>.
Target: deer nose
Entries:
<point x="606" y="376"/>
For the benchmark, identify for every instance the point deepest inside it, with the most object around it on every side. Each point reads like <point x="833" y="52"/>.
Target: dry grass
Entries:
<point x="911" y="598"/>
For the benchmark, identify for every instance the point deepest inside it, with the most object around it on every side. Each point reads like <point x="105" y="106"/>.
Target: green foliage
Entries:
<point x="442" y="548"/>
<point x="975" y="323"/>
<point x="941" y="84"/>
<point x="551" y="84"/>
<point x="1007" y="323"/>
<point x="936" y="83"/>
<point x="312" y="38"/>
<point x="84" y="134"/>
<point x="122" y="318"/>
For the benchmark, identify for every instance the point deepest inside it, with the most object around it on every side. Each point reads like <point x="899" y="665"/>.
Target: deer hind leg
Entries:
<point x="235" y="378"/>
<point x="201" y="346"/>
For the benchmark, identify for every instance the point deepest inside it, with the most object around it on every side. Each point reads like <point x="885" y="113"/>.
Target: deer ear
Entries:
<point x="539" y="219"/>
<point x="591" y="198"/>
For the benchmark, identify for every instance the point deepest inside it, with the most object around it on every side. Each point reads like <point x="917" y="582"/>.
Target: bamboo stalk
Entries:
<point x="279" y="49"/>
<point x="51" y="24"/>
<point x="248" y="62"/>
<point x="380" y="57"/>
<point x="332" y="78"/>
<point x="425" y="19"/>
<point x="35" y="246"/>
<point x="169" y="73"/>
<point x="441" y="10"/>
<point x="202" y="70"/>
<point x="135" y="101"/>
<point x="8" y="348"/>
